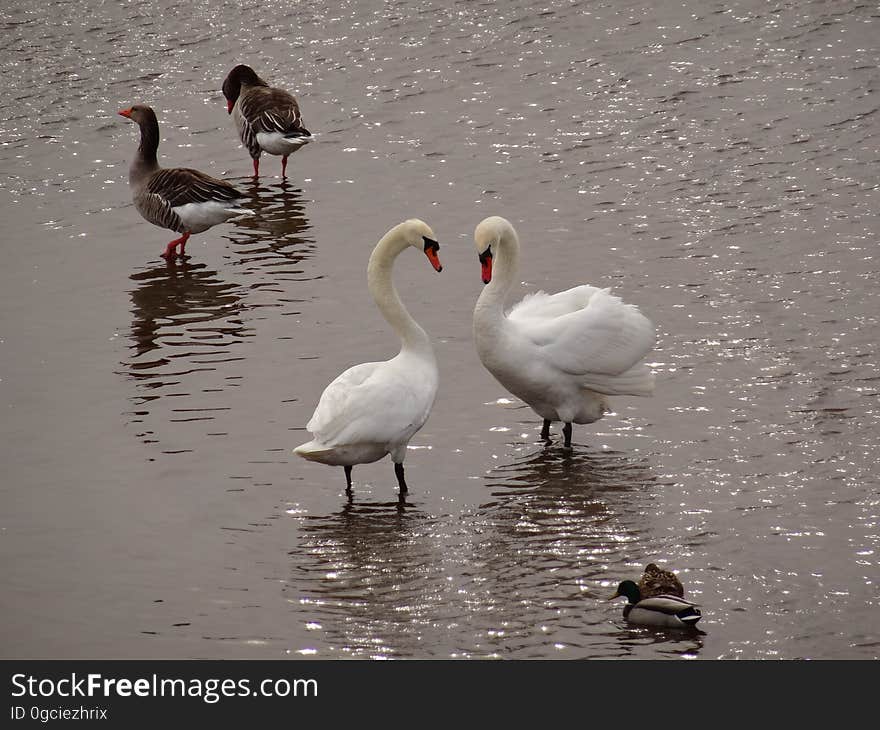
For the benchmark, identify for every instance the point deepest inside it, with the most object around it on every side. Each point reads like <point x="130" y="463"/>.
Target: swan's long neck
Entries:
<point x="505" y="265"/>
<point x="412" y="336"/>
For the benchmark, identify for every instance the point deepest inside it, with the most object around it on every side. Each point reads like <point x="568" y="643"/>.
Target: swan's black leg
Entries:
<point x="566" y="431"/>
<point x="401" y="482"/>
<point x="545" y="431"/>
<point x="347" y="478"/>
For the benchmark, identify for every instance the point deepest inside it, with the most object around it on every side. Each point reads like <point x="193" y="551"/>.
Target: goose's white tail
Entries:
<point x="276" y="143"/>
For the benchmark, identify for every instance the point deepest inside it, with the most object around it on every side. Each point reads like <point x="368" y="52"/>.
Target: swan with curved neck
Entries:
<point x="375" y="408"/>
<point x="563" y="353"/>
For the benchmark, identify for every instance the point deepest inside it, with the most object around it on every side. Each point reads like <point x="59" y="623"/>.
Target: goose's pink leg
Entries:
<point x="169" y="254"/>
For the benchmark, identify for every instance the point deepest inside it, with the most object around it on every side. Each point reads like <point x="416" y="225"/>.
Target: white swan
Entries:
<point x="375" y="408"/>
<point x="560" y="353"/>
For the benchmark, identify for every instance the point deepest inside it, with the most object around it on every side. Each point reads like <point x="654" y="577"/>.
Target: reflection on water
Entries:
<point x="642" y="641"/>
<point x="171" y="306"/>
<point x="518" y="577"/>
<point x="559" y="523"/>
<point x="370" y="572"/>
<point x="277" y="237"/>
<point x="186" y="326"/>
<point x="189" y="322"/>
<point x="558" y="500"/>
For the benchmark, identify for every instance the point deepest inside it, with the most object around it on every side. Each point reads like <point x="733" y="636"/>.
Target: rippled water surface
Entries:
<point x="715" y="163"/>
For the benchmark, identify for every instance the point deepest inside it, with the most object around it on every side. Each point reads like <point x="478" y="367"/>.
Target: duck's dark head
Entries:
<point x="241" y="74"/>
<point x="629" y="590"/>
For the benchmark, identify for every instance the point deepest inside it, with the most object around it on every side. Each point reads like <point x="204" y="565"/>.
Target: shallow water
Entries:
<point x="715" y="163"/>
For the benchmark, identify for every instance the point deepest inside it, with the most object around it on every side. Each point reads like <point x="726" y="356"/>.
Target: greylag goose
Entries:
<point x="184" y="200"/>
<point x="267" y="119"/>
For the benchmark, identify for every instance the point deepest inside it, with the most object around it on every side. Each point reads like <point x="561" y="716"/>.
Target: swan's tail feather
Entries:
<point x="313" y="451"/>
<point x="635" y="381"/>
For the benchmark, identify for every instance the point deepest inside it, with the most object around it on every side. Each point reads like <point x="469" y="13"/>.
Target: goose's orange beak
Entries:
<point x="229" y="106"/>
<point x="125" y="113"/>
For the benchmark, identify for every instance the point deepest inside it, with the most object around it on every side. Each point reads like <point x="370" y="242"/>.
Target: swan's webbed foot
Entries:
<point x="401" y="481"/>
<point x="566" y="431"/>
<point x="545" y="430"/>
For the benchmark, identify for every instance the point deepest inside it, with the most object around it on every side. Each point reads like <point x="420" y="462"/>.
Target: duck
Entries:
<point x="373" y="409"/>
<point x="667" y="611"/>
<point x="178" y="198"/>
<point x="562" y="353"/>
<point x="657" y="582"/>
<point x="267" y="118"/>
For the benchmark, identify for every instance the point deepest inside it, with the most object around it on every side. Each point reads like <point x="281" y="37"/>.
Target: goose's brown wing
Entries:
<point x="182" y="185"/>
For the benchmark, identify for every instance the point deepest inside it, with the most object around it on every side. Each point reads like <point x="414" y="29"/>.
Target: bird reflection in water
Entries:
<point x="186" y="322"/>
<point x="369" y="571"/>
<point x="645" y="641"/>
<point x="547" y="482"/>
<point x="169" y="303"/>
<point x="278" y="233"/>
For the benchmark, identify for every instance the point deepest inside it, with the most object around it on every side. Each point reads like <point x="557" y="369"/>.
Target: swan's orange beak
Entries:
<point x="125" y="113"/>
<point x="486" y="263"/>
<point x="434" y="259"/>
<point x="431" y="248"/>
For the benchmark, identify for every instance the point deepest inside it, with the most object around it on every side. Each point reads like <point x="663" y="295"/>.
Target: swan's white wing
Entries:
<point x="369" y="403"/>
<point x="541" y="304"/>
<point x="334" y="401"/>
<point x="606" y="337"/>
